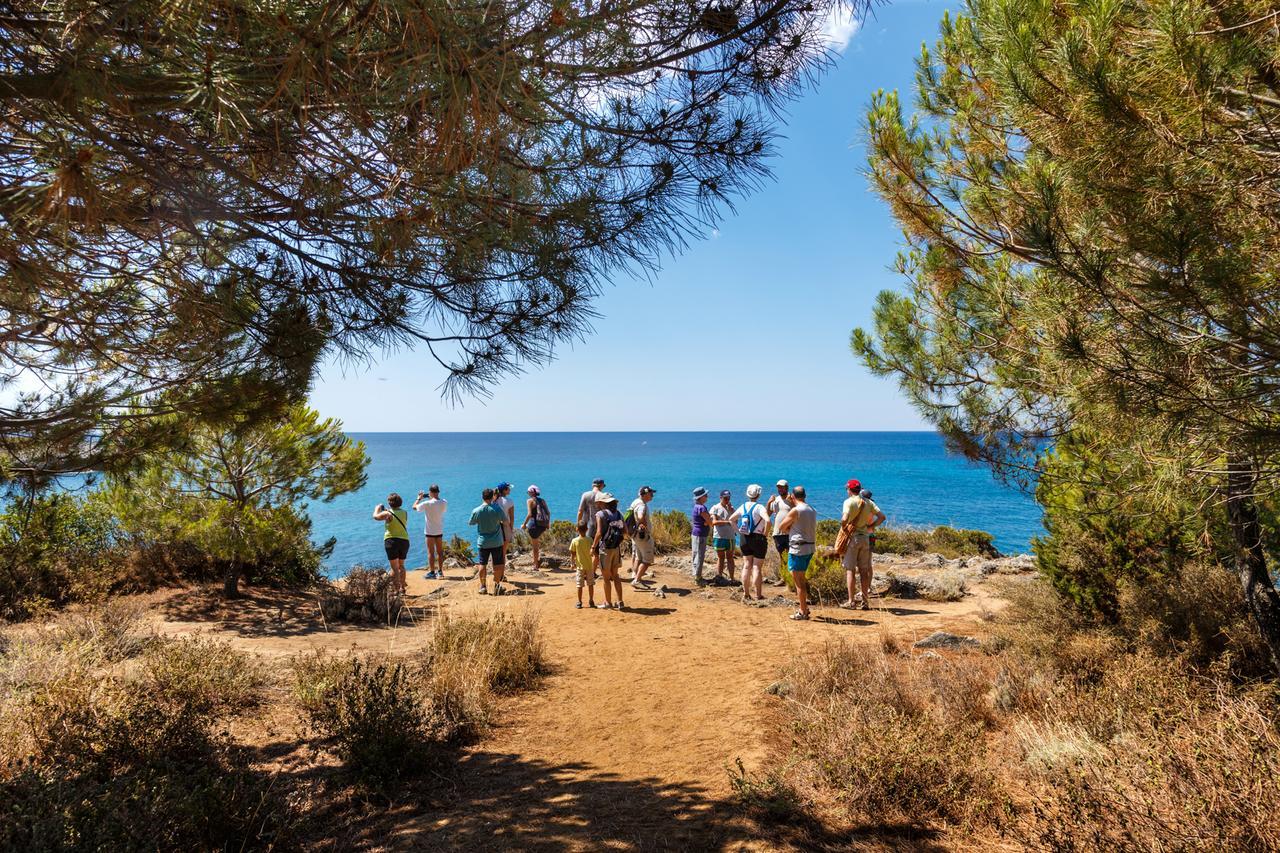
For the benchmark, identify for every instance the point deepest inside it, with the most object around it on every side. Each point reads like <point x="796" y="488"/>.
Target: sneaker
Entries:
<point x="484" y="590"/>
<point x="618" y="606"/>
<point x="431" y="575"/>
<point x="578" y="606"/>
<point x="604" y="607"/>
<point x="800" y="617"/>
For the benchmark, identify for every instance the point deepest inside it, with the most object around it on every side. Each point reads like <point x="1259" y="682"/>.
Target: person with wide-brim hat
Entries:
<point x="700" y="529"/>
<point x="610" y="533"/>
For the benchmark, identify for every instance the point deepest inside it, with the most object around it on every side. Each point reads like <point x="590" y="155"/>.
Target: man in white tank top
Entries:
<point x="801" y="524"/>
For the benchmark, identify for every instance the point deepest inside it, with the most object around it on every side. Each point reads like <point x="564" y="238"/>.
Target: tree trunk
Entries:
<point x="231" y="579"/>
<point x="1251" y="560"/>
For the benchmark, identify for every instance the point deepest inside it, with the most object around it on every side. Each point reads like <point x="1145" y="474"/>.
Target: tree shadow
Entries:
<point x="851" y="620"/>
<point x="906" y="611"/>
<point x="261" y="612"/>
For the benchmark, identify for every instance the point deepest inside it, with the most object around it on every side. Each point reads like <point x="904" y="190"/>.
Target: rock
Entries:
<point x="661" y="591"/>
<point x="779" y="688"/>
<point x="945" y="640"/>
<point x="545" y="562"/>
<point x="436" y="594"/>
<point x="931" y="656"/>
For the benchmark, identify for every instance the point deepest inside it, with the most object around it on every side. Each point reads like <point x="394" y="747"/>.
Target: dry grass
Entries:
<point x="101" y="753"/>
<point x="386" y="718"/>
<point x="1064" y="736"/>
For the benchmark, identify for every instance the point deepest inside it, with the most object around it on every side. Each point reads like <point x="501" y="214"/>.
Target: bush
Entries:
<point x="437" y="697"/>
<point x="371" y="713"/>
<point x="55" y="548"/>
<point x="558" y="535"/>
<point x="459" y="550"/>
<point x="950" y="542"/>
<point x="364" y="595"/>
<point x="99" y="760"/>
<point x="886" y="739"/>
<point x="671" y="530"/>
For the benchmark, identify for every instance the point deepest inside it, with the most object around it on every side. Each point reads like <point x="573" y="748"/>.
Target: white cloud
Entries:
<point x="840" y="27"/>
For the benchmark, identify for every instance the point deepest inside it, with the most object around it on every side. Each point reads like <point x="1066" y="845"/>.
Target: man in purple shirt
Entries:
<point x="701" y="521"/>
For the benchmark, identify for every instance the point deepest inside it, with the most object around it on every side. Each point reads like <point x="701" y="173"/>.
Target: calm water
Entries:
<point x="914" y="480"/>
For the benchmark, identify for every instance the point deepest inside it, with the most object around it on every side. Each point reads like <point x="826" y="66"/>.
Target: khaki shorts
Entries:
<point x="644" y="549"/>
<point x="858" y="554"/>
<point x="585" y="577"/>
<point x="610" y="559"/>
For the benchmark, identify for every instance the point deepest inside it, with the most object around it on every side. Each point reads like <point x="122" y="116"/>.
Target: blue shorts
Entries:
<point x="722" y="543"/>
<point x="798" y="563"/>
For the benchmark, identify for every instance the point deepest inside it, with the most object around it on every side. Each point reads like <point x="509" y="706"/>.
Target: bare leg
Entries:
<point x="481" y="572"/>
<point x="802" y="591"/>
<point x="760" y="578"/>
<point x="849" y="581"/>
<point x="535" y="553"/>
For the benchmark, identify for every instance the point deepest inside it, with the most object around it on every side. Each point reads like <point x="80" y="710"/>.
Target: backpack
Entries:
<point x="630" y="522"/>
<point x="541" y="513"/>
<point x="747" y="524"/>
<point x="614" y="531"/>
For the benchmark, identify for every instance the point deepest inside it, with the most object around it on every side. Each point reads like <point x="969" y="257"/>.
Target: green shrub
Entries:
<point x="950" y="542"/>
<point x="55" y="548"/>
<point x="374" y="718"/>
<point x="672" y="530"/>
<point x="459" y="549"/>
<point x="558" y="535"/>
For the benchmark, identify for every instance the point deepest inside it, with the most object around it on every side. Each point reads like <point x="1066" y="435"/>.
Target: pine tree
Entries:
<point x="202" y="198"/>
<point x="1089" y="200"/>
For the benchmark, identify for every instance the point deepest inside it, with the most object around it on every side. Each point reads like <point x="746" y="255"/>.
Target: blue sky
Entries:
<point x="764" y="307"/>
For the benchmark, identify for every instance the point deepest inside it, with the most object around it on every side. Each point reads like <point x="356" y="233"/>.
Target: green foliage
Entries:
<point x="559" y="534"/>
<point x="458" y="548"/>
<point x="236" y="492"/>
<point x="1090" y="243"/>
<point x="373" y="717"/>
<point x="671" y="530"/>
<point x="201" y="253"/>
<point x="56" y="548"/>
<point x="388" y="719"/>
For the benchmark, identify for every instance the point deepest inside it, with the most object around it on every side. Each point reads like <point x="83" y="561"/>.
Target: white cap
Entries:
<point x="753" y="491"/>
<point x="782" y="482"/>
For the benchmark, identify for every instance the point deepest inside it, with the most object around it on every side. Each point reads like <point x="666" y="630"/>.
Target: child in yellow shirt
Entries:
<point x="580" y="548"/>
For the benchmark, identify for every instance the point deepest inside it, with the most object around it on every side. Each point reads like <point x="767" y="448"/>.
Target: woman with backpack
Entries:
<point x="752" y="520"/>
<point x="610" y="531"/>
<point x="538" y="520"/>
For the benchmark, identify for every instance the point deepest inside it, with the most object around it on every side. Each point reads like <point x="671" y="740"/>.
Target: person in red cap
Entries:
<point x="857" y="523"/>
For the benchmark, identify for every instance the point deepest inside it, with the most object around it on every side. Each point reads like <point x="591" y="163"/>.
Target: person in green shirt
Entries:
<point x="395" y="537"/>
<point x="489" y="520"/>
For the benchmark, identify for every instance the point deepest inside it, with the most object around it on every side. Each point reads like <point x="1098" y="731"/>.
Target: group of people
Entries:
<point x="603" y="529"/>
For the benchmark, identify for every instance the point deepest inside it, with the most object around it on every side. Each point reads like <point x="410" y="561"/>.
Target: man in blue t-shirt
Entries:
<point x="488" y="521"/>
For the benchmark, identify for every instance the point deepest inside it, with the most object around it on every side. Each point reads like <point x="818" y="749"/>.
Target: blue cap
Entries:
<point x="502" y="486"/>
<point x="699" y="493"/>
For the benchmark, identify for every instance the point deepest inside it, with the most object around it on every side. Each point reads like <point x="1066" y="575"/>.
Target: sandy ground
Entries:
<point x="626" y="744"/>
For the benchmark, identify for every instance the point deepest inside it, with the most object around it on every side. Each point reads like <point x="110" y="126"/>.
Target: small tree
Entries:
<point x="234" y="491"/>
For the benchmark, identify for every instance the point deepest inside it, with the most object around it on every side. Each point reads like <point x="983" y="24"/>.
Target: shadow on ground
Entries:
<point x="496" y="801"/>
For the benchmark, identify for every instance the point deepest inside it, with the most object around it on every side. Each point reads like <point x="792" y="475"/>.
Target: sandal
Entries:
<point x="848" y="605"/>
<point x="484" y="590"/>
<point x="800" y="617"/>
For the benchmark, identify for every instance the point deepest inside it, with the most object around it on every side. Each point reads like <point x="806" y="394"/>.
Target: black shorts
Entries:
<point x="439" y="537"/>
<point x="397" y="549"/>
<point x="495" y="554"/>
<point x="535" y="531"/>
<point x="782" y="542"/>
<point x="753" y="545"/>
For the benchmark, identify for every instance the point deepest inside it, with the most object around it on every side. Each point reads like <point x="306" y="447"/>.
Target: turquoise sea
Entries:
<point x="914" y="480"/>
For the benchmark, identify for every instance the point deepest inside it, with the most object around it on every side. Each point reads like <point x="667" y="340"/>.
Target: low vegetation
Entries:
<point x="100" y="752"/>
<point x="389" y="718"/>
<point x="1067" y="734"/>
<point x="114" y="738"/>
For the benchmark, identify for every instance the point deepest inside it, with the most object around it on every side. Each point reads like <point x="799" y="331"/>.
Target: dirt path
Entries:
<point x="625" y="745"/>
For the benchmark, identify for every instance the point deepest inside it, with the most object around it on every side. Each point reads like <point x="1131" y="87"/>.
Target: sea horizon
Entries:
<point x="912" y="476"/>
